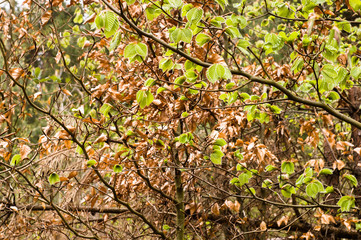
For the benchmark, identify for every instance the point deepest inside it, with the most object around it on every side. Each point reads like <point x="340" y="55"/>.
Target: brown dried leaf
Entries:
<point x="358" y="150"/>
<point x="67" y="92"/>
<point x="317" y="228"/>
<point x="283" y="219"/>
<point x="16" y="73"/>
<point x="24" y="151"/>
<point x="72" y="174"/>
<point x="56" y="3"/>
<point x="67" y="144"/>
<point x="215" y="209"/>
<point x="101" y="138"/>
<point x="63" y="179"/>
<point x="263" y="226"/>
<point x="46" y="17"/>
<point x="338" y="164"/>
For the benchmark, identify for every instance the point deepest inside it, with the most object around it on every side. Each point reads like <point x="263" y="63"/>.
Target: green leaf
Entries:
<point x="149" y="97"/>
<point x="129" y="50"/>
<point x="160" y="89"/>
<point x="186" y="8"/>
<point x="329" y="189"/>
<point x="54" y="178"/>
<point x="300" y="179"/>
<point x="287" y="167"/>
<point x="297" y="65"/>
<point x="78" y="18"/>
<point x="216" y="156"/>
<point x="152" y="12"/>
<point x="111" y="23"/>
<point x="242" y="43"/>
<point x="150" y="82"/>
<point x="184" y="114"/>
<point x="356" y="72"/>
<point x="144" y="98"/>
<point x="115" y="41"/>
<point x="233" y="32"/>
<point x="244" y="178"/>
<point x="91" y="163"/>
<point x="183" y="34"/>
<point x="314" y="188"/>
<point x="217" y="21"/>
<point x="134" y="50"/>
<point x="275" y="109"/>
<point x="105" y="108"/>
<point x="346" y="203"/>
<point x="355" y="4"/>
<point x="117" y="168"/>
<point x="292" y="37"/>
<point x="202" y="39"/>
<point x="15" y="160"/>
<point x="175" y="3"/>
<point x="180" y="81"/>
<point x="244" y="96"/>
<point x="141" y="49"/>
<point x="329" y="73"/>
<point x="166" y="64"/>
<point x="326" y="171"/>
<point x="352" y="179"/>
<point x="220" y="142"/>
<point x="267" y="184"/>
<point x="346" y="26"/>
<point x="287" y="190"/>
<point x="270" y="168"/>
<point x="222" y="3"/>
<point x="81" y="41"/>
<point x="218" y="71"/>
<point x="273" y="42"/>
<point x="194" y="15"/>
<point x="100" y="20"/>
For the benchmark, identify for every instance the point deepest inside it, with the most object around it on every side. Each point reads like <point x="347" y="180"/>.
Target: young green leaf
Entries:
<point x="352" y="179"/>
<point x="179" y="34"/>
<point x="287" y="167"/>
<point x="194" y="15"/>
<point x="216" y="156"/>
<point x="217" y="72"/>
<point x="117" y="168"/>
<point x="244" y="177"/>
<point x="91" y="163"/>
<point x="346" y="203"/>
<point x="15" y="159"/>
<point x="314" y="188"/>
<point x="54" y="178"/>
<point x="220" y="142"/>
<point x="202" y="39"/>
<point x="325" y="171"/>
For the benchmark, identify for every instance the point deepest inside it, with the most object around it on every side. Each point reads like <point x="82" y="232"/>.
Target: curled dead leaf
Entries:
<point x="63" y="179"/>
<point x="358" y="150"/>
<point x="46" y="17"/>
<point x="282" y="220"/>
<point x="215" y="209"/>
<point x="338" y="164"/>
<point x="67" y="92"/>
<point x="16" y="73"/>
<point x="72" y="174"/>
<point x="263" y="226"/>
<point x="24" y="151"/>
<point x="101" y="138"/>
